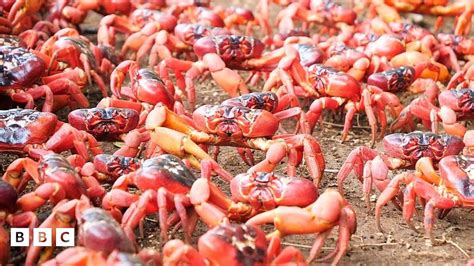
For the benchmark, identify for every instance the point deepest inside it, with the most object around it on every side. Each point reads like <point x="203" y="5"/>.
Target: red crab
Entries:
<point x="76" y="51"/>
<point x="84" y="256"/>
<point x="241" y="244"/>
<point x="104" y="123"/>
<point x="68" y="13"/>
<point x="164" y="44"/>
<point x="335" y="89"/>
<point x="20" y="14"/>
<point x="239" y="126"/>
<point x="457" y="104"/>
<point x="324" y="12"/>
<point x="108" y="167"/>
<point x="22" y="68"/>
<point x="464" y="78"/>
<point x="454" y="47"/>
<point x="164" y="182"/>
<point x="402" y="151"/>
<point x="64" y="215"/>
<point x="221" y="55"/>
<point x="252" y="193"/>
<point x="8" y="207"/>
<point x="328" y="211"/>
<point x="389" y="10"/>
<point x="141" y="24"/>
<point x="452" y="187"/>
<point x="56" y="179"/>
<point x="145" y="85"/>
<point x="36" y="133"/>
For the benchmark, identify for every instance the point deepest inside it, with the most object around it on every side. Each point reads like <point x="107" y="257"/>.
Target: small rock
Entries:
<point x="373" y="198"/>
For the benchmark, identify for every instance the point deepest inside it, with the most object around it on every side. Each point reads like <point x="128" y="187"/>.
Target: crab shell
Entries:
<point x="234" y="244"/>
<point x="328" y="81"/>
<point x="20" y="68"/>
<point x="234" y="122"/>
<point x="190" y="33"/>
<point x="20" y="127"/>
<point x="115" y="165"/>
<point x="80" y="47"/>
<point x="461" y="45"/>
<point x="54" y="168"/>
<point x="232" y="49"/>
<point x="256" y="100"/>
<point x="309" y="54"/>
<point x="266" y="191"/>
<point x="459" y="100"/>
<point x="393" y="80"/>
<point x="142" y="16"/>
<point x="164" y="171"/>
<point x="458" y="174"/>
<point x="386" y="46"/>
<point x="100" y="232"/>
<point x="417" y="144"/>
<point x="104" y="122"/>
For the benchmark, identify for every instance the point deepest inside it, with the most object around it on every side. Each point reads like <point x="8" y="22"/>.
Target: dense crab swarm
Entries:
<point x="155" y="143"/>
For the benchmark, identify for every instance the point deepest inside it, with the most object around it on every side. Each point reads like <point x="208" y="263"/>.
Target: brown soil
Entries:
<point x="399" y="246"/>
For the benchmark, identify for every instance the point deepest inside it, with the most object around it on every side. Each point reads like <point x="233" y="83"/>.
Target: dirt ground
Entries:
<point x="399" y="246"/>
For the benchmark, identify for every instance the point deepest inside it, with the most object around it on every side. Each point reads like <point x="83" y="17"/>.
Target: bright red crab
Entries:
<point x="455" y="105"/>
<point x="328" y="211"/>
<point x="163" y="44"/>
<point x="252" y="193"/>
<point x="104" y="123"/>
<point x="37" y="133"/>
<point x="241" y="244"/>
<point x="239" y="126"/>
<point x="464" y="78"/>
<point x="333" y="90"/>
<point x="139" y="25"/>
<point x="20" y="15"/>
<point x="453" y="47"/>
<point x="326" y="13"/>
<point x="221" y="55"/>
<point x="164" y="182"/>
<point x="65" y="214"/>
<point x="402" y="151"/>
<point x="145" y="85"/>
<point x="389" y="10"/>
<point x="69" y="13"/>
<point x="452" y="187"/>
<point x="76" y="51"/>
<point x="56" y="179"/>
<point x="22" y="69"/>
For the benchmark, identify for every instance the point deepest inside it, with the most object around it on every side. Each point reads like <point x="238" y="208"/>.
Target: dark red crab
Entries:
<point x="241" y="244"/>
<point x="104" y="123"/>
<point x="402" y="151"/>
<point x="165" y="182"/>
<point x="21" y="69"/>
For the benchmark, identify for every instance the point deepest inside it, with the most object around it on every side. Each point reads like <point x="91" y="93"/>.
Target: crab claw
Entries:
<point x="329" y="210"/>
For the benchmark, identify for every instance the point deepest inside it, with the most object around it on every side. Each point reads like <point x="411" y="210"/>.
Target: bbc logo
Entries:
<point x="42" y="237"/>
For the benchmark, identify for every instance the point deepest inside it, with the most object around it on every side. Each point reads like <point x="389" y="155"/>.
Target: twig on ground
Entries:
<point x="352" y="246"/>
<point x="331" y="170"/>
<point x="342" y="126"/>
<point x="454" y="244"/>
<point x="304" y="246"/>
